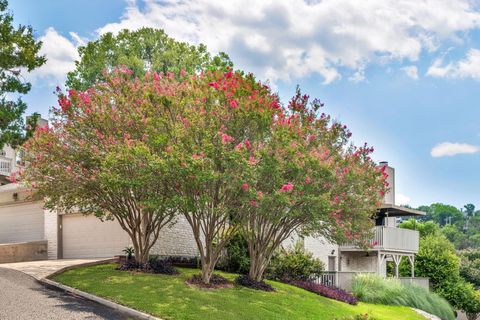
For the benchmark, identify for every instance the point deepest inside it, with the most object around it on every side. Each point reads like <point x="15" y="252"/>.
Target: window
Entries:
<point x="2" y="153"/>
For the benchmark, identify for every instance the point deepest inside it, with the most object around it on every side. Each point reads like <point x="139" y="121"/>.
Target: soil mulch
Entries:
<point x="216" y="282"/>
<point x="252" y="284"/>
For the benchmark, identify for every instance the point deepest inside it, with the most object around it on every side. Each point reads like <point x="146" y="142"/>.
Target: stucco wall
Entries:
<point x="358" y="261"/>
<point x="321" y="248"/>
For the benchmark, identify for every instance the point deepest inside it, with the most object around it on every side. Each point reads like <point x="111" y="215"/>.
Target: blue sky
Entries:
<point x="403" y="75"/>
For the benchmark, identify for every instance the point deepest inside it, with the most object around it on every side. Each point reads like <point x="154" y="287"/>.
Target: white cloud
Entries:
<point x="60" y="53"/>
<point x="411" y="72"/>
<point x="402" y="199"/>
<point x="294" y="39"/>
<point x="449" y="149"/>
<point x="469" y="67"/>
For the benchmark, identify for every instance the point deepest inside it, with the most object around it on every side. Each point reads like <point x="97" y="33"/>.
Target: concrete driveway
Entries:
<point x="24" y="298"/>
<point x="44" y="268"/>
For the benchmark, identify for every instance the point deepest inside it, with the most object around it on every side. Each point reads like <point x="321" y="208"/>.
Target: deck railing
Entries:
<point x="340" y="279"/>
<point x="344" y="279"/>
<point x="5" y="167"/>
<point x="390" y="238"/>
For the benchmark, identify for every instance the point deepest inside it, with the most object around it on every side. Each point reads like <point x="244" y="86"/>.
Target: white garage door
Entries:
<point x="88" y="237"/>
<point x="21" y="223"/>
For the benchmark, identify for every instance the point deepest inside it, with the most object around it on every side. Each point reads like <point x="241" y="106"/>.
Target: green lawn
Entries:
<point x="169" y="297"/>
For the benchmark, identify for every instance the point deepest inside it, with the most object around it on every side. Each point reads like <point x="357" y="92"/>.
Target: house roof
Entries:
<point x="392" y="210"/>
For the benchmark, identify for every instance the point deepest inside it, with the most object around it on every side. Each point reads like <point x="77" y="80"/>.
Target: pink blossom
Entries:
<point x="226" y="138"/>
<point x="286" y="187"/>
<point x="239" y="146"/>
<point x="259" y="194"/>
<point x="69" y="168"/>
<point x="247" y="144"/>
<point x="345" y="170"/>
<point x="251" y="160"/>
<point x="254" y="203"/>
<point x="228" y="74"/>
<point x="311" y="137"/>
<point x="156" y="77"/>
<point x="214" y="84"/>
<point x="233" y="104"/>
<point x="308" y="180"/>
<point x="245" y="186"/>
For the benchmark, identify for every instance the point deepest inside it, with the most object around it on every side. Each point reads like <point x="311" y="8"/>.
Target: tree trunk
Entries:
<point x="258" y="264"/>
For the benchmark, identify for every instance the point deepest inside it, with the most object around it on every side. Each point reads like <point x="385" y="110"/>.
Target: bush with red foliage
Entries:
<point x="328" y="292"/>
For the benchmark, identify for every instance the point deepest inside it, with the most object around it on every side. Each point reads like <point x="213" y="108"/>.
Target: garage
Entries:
<point x="88" y="237"/>
<point x="21" y="222"/>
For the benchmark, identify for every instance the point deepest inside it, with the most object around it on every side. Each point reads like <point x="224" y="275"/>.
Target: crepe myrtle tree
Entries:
<point x="103" y="155"/>
<point x="216" y="118"/>
<point x="306" y="178"/>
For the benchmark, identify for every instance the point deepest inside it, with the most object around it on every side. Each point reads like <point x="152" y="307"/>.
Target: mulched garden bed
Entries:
<point x="216" y="282"/>
<point x="155" y="266"/>
<point x="252" y="284"/>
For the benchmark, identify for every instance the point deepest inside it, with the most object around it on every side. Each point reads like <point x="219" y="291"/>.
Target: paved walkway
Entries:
<point x="43" y="268"/>
<point x="24" y="298"/>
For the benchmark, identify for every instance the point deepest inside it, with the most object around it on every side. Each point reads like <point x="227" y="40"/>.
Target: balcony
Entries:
<point x="5" y="167"/>
<point x="389" y="239"/>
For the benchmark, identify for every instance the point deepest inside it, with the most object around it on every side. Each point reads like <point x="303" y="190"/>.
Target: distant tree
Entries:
<point x="428" y="213"/>
<point x="469" y="209"/>
<point x="142" y="50"/>
<point x="18" y="50"/>
<point x="443" y="214"/>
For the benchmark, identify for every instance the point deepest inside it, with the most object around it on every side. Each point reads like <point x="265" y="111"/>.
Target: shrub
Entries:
<point x="470" y="266"/>
<point x="295" y="264"/>
<point x="235" y="259"/>
<point x="216" y="281"/>
<point x="245" y="281"/>
<point x="154" y="265"/>
<point x="129" y="251"/>
<point x="163" y="266"/>
<point x="374" y="289"/>
<point x="329" y="292"/>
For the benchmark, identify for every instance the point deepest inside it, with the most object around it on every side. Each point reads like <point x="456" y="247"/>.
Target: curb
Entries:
<point x="128" y="311"/>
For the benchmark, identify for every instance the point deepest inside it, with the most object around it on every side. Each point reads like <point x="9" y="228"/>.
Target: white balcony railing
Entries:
<point x="390" y="238"/>
<point x="5" y="167"/>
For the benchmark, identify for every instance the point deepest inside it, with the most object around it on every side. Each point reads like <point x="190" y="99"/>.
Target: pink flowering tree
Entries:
<point x="104" y="155"/>
<point x="216" y="120"/>
<point x="306" y="178"/>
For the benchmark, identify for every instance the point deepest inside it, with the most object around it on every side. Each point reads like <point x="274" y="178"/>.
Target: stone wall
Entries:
<point x="26" y="251"/>
<point x="177" y="240"/>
